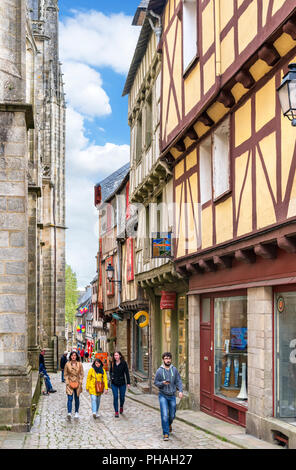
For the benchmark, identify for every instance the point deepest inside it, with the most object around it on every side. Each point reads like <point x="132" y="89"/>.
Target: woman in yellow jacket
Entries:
<point x="96" y="372"/>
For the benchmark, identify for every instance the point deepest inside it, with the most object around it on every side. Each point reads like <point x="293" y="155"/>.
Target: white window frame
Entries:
<point x="190" y="32"/>
<point x="221" y="160"/>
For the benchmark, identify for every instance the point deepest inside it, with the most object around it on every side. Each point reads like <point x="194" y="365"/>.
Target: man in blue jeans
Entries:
<point x="43" y="371"/>
<point x="168" y="380"/>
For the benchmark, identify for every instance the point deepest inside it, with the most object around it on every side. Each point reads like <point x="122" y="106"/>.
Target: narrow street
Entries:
<point x="138" y="428"/>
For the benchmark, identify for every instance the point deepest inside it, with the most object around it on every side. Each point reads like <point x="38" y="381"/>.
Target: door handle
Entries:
<point x="210" y="369"/>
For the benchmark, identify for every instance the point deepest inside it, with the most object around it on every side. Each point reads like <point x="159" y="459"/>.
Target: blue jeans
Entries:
<point x="167" y="411"/>
<point x="70" y="401"/>
<point x="46" y="377"/>
<point x="63" y="379"/>
<point x="95" y="403"/>
<point x="115" y="390"/>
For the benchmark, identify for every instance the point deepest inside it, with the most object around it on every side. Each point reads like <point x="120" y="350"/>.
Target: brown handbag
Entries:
<point x="74" y="385"/>
<point x="99" y="386"/>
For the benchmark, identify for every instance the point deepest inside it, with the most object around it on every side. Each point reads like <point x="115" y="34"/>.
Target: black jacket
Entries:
<point x="41" y="360"/>
<point x="63" y="362"/>
<point x="119" y="373"/>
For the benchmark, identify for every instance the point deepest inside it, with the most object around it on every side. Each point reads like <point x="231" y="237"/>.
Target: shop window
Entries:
<point x="182" y="338"/>
<point x="141" y="348"/>
<point x="189" y="32"/>
<point x="231" y="348"/>
<point x="285" y="358"/>
<point x="166" y="328"/>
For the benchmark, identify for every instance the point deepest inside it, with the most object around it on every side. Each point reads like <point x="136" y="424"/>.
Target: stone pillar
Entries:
<point x="15" y="374"/>
<point x="15" y="118"/>
<point x="194" y="350"/>
<point x="60" y="291"/>
<point x="260" y="302"/>
<point x="33" y="349"/>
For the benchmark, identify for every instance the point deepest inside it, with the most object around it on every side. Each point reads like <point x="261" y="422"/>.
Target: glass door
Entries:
<point x="285" y="316"/>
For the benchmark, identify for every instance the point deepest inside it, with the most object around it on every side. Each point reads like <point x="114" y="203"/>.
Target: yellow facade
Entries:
<point x="261" y="146"/>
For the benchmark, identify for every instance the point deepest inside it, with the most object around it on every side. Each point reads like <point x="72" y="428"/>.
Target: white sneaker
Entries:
<point x="76" y="416"/>
<point x="69" y="416"/>
<point x="97" y="415"/>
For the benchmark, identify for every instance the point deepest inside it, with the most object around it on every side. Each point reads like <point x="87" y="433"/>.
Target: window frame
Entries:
<point x="190" y="65"/>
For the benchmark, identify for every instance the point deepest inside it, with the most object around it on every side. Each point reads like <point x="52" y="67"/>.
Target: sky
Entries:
<point x="97" y="42"/>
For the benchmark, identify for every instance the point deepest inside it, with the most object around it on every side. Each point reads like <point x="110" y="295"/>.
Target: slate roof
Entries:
<point x="157" y="6"/>
<point x="110" y="184"/>
<point x="85" y="298"/>
<point x="141" y="8"/>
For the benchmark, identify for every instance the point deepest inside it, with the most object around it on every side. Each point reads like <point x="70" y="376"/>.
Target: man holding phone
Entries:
<point x="168" y="380"/>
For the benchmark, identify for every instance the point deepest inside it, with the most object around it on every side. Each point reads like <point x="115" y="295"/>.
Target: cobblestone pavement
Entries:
<point x="138" y="427"/>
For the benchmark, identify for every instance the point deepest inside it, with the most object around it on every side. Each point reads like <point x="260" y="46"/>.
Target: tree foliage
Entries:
<point x="71" y="295"/>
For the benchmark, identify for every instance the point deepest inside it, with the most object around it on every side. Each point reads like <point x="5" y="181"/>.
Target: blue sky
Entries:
<point x="97" y="42"/>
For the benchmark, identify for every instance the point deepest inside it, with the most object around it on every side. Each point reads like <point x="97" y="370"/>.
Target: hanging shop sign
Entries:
<point x="116" y="316"/>
<point x="162" y="245"/>
<point x="80" y="329"/>
<point x="83" y="310"/>
<point x="168" y="300"/>
<point x="103" y="356"/>
<point x="140" y="314"/>
<point x="280" y="304"/>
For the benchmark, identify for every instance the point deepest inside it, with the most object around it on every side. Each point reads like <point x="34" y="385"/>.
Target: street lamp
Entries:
<point x="110" y="273"/>
<point x="287" y="94"/>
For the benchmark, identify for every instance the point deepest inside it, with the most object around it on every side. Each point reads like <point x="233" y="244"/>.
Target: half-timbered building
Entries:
<point x="151" y="194"/>
<point x="234" y="160"/>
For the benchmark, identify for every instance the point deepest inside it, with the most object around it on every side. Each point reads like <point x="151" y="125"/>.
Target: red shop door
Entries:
<point x="206" y="357"/>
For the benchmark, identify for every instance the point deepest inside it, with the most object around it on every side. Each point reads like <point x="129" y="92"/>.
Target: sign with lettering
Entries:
<point x="168" y="300"/>
<point x="162" y="245"/>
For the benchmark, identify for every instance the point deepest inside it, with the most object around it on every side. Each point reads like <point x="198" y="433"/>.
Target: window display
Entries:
<point x="141" y="350"/>
<point x="285" y="359"/>
<point x="231" y="348"/>
<point x="182" y="338"/>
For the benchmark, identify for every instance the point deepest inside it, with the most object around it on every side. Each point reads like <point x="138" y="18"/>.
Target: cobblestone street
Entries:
<point x="138" y="428"/>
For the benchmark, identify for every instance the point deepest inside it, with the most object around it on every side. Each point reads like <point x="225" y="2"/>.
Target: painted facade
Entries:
<point x="233" y="155"/>
<point x="151" y="193"/>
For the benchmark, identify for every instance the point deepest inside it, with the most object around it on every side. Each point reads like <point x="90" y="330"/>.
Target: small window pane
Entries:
<point x="206" y="311"/>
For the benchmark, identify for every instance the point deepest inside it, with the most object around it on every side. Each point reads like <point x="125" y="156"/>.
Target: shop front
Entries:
<point x="285" y="353"/>
<point x="224" y="355"/>
<point x="173" y="322"/>
<point x="141" y="349"/>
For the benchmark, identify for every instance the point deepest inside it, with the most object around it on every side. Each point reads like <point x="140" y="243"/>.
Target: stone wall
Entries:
<point x="15" y="378"/>
<point x="32" y="240"/>
<point x="260" y="391"/>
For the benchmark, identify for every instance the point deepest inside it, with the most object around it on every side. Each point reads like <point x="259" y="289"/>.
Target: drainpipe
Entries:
<point x="156" y="29"/>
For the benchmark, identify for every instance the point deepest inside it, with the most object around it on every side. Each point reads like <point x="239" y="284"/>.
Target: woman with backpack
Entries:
<point x="96" y="385"/>
<point x="119" y="377"/>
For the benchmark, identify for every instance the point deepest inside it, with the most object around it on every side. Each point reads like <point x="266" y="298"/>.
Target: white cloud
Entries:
<point x="86" y="165"/>
<point x="99" y="40"/>
<point x="84" y="90"/>
<point x="90" y="41"/>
